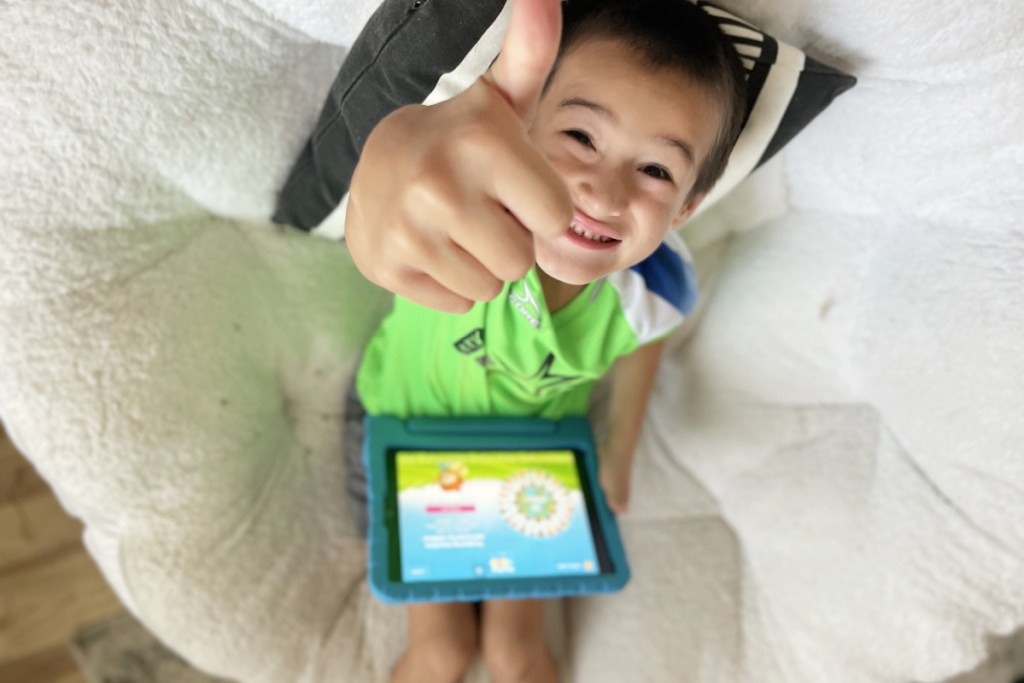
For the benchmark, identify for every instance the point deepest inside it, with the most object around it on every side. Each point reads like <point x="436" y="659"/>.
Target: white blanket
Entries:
<point x="831" y="481"/>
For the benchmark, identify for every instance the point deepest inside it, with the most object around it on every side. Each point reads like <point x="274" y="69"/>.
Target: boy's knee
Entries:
<point x="513" y="660"/>
<point x="446" y="656"/>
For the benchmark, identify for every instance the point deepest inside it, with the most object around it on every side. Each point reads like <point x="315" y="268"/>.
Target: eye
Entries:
<point x="580" y="137"/>
<point x="655" y="171"/>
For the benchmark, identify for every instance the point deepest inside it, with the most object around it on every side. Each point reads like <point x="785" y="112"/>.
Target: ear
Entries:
<point x="687" y="209"/>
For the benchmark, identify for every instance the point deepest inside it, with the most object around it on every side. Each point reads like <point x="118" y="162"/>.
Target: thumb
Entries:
<point x="528" y="53"/>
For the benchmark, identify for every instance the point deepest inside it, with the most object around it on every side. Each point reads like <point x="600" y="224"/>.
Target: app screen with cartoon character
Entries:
<point x="473" y="515"/>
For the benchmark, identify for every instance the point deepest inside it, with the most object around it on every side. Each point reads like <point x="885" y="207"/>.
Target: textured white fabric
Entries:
<point x="830" y="484"/>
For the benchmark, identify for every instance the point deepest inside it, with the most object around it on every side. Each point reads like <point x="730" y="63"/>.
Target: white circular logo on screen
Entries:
<point x="535" y="504"/>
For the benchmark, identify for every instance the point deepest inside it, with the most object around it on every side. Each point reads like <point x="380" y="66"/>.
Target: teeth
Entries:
<point x="589" y="235"/>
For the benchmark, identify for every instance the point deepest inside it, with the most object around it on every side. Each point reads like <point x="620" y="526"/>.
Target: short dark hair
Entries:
<point x="672" y="34"/>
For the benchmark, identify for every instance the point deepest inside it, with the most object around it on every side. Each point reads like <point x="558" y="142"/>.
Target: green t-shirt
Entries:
<point x="511" y="356"/>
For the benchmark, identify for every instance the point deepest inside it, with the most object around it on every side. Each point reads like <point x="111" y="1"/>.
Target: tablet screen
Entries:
<point x="492" y="514"/>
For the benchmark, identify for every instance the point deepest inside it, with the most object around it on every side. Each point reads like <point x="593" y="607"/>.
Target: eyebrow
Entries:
<point x="683" y="146"/>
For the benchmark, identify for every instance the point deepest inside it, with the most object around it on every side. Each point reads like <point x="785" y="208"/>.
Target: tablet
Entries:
<point x="484" y="508"/>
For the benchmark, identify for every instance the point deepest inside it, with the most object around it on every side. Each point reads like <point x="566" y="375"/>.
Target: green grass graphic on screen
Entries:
<point x="423" y="468"/>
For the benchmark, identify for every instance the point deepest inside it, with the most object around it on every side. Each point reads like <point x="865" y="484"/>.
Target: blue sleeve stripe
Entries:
<point x="672" y="278"/>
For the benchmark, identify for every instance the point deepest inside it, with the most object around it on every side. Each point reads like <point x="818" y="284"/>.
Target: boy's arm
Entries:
<point x="632" y="377"/>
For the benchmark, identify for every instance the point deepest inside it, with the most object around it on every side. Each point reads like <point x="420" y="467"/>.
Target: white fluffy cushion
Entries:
<point x="829" y="486"/>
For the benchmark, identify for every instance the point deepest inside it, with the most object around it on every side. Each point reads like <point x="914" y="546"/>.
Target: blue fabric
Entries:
<point x="669" y="276"/>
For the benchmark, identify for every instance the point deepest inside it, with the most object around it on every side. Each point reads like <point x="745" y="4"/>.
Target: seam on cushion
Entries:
<point x="93" y="284"/>
<point x="318" y="133"/>
<point x="308" y="164"/>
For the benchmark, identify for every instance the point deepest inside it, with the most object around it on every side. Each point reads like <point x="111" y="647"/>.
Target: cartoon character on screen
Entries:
<point x="452" y="475"/>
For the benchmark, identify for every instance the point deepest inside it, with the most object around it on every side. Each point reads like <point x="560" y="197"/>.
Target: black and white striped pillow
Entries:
<point x="426" y="51"/>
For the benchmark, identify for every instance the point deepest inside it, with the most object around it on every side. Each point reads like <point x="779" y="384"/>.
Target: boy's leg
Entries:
<point x="513" y="642"/>
<point x="442" y="643"/>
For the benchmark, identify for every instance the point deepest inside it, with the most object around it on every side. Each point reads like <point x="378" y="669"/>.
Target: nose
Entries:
<point x="601" y="190"/>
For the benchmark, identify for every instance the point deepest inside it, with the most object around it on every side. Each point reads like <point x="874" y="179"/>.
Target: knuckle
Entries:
<point x="431" y="191"/>
<point x="389" y="279"/>
<point x="491" y="288"/>
<point x="477" y="140"/>
<point x="407" y="243"/>
<point x="515" y="265"/>
<point x="484" y="287"/>
<point x="461" y="306"/>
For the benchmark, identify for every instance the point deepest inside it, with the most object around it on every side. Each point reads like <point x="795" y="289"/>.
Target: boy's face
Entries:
<point x="628" y="140"/>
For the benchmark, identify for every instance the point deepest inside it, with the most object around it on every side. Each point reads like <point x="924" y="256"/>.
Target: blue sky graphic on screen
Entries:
<point x="475" y="515"/>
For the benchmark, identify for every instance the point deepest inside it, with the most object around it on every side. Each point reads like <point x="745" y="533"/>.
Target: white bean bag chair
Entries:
<point x="830" y="485"/>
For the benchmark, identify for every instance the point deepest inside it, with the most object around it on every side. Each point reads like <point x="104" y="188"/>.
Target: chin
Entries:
<point x="570" y="268"/>
<point x="573" y="279"/>
<point x="570" y="274"/>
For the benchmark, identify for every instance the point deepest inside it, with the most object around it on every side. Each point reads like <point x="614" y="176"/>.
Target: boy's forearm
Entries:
<point x="632" y="379"/>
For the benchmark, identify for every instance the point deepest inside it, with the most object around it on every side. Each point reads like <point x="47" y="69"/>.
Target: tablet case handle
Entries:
<point x="480" y="425"/>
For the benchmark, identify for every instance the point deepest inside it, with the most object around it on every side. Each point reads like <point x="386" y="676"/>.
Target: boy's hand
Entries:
<point x="614" y="474"/>
<point x="445" y="199"/>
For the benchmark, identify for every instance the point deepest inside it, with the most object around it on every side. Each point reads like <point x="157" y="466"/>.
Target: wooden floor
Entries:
<point x="49" y="588"/>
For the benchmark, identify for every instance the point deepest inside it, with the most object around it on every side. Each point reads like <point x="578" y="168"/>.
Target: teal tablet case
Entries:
<point x="385" y="435"/>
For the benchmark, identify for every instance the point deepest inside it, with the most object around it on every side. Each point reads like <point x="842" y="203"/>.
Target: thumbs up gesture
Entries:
<point x="446" y="199"/>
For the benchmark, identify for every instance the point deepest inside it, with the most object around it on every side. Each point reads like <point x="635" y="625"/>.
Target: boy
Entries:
<point x="637" y="119"/>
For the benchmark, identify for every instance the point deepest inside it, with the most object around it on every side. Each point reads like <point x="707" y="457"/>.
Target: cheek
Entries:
<point x="655" y="219"/>
<point x="664" y="208"/>
<point x="558" y="154"/>
<point x="560" y="161"/>
<point x="542" y="126"/>
<point x="536" y="134"/>
<point x="654" y="213"/>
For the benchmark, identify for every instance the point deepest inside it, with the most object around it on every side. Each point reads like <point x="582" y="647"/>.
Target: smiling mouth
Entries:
<point x="586" y="234"/>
